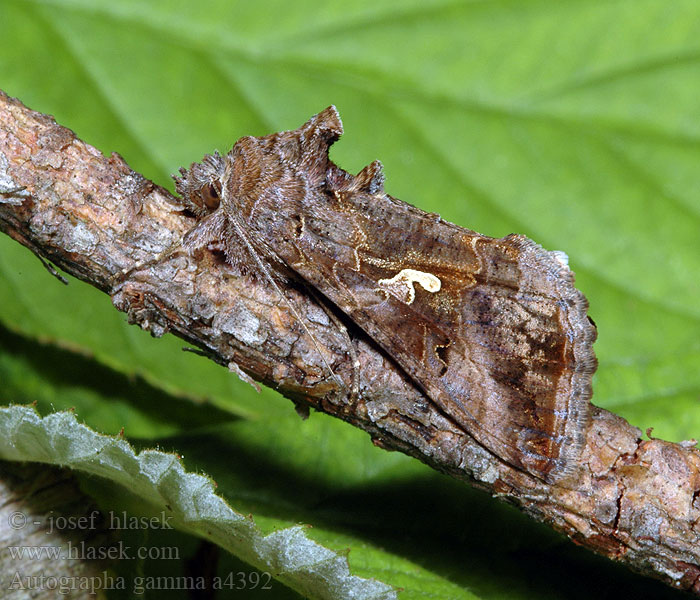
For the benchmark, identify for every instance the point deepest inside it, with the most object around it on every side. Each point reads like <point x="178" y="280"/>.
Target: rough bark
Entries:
<point x="635" y="501"/>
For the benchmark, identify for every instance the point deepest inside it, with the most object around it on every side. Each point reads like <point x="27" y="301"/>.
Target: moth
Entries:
<point x="493" y="331"/>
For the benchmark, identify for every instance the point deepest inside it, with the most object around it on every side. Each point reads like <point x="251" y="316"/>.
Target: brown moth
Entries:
<point x="492" y="330"/>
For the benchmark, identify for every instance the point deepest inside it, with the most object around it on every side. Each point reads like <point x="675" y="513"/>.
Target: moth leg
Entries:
<point x="242" y="375"/>
<point x="51" y="269"/>
<point x="13" y="195"/>
<point x="354" y="357"/>
<point x="10" y="191"/>
<point x="121" y="276"/>
<point x="208" y="229"/>
<point x="352" y="349"/>
<point x="46" y="264"/>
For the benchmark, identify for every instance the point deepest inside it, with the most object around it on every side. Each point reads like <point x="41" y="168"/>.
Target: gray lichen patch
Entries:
<point x="10" y="192"/>
<point x="242" y="324"/>
<point x="81" y="240"/>
<point x="317" y="315"/>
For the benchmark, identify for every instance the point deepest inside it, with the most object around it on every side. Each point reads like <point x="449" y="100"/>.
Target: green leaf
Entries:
<point x="191" y="504"/>
<point x="57" y="379"/>
<point x="574" y="123"/>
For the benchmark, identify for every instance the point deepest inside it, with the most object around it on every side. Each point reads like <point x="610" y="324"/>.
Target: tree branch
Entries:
<point x="633" y="500"/>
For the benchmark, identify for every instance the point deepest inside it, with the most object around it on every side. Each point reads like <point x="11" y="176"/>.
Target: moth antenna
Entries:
<point x="240" y="231"/>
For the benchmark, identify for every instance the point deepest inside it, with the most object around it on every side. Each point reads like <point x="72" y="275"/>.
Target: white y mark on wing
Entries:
<point x="401" y="284"/>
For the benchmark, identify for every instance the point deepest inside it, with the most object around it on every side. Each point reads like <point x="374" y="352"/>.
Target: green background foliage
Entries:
<point x="576" y="123"/>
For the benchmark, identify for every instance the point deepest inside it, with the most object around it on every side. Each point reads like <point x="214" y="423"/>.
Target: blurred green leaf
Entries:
<point x="575" y="123"/>
<point x="57" y="379"/>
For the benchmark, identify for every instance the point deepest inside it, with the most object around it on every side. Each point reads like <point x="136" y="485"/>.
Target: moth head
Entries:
<point x="199" y="187"/>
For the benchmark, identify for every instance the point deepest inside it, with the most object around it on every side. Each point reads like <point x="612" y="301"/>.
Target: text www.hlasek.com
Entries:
<point x="83" y="551"/>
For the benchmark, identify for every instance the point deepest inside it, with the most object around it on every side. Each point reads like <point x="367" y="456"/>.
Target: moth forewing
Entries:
<point x="493" y="330"/>
<point x="487" y="344"/>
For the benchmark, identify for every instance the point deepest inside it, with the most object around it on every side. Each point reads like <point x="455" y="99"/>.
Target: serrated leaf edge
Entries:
<point x="159" y="477"/>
